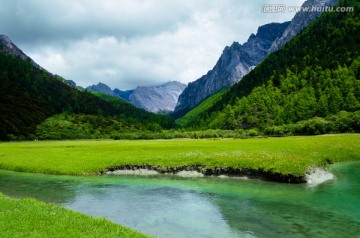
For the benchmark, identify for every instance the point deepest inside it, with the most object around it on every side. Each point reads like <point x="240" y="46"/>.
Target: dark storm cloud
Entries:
<point x="46" y="20"/>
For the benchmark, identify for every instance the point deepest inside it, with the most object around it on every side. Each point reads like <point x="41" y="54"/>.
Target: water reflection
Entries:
<point x="164" y="210"/>
<point x="38" y="186"/>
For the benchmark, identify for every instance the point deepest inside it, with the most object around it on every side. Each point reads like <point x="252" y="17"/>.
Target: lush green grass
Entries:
<point x="196" y="112"/>
<point x="287" y="155"/>
<point x="30" y="218"/>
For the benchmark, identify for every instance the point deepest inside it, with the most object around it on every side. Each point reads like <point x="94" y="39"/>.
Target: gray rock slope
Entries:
<point x="10" y="48"/>
<point x="158" y="99"/>
<point x="237" y="60"/>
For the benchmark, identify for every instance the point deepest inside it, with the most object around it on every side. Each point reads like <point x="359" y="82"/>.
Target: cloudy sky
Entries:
<point x="127" y="43"/>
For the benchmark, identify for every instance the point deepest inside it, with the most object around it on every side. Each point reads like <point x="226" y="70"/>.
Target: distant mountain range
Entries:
<point x="160" y="99"/>
<point x="238" y="60"/>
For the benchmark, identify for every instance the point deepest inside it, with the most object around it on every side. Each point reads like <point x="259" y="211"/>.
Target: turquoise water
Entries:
<point x="167" y="206"/>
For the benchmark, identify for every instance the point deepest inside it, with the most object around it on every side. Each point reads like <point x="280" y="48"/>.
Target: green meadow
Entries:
<point x="31" y="218"/>
<point x="286" y="155"/>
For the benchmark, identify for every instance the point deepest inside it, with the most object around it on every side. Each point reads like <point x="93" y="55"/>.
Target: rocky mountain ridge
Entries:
<point x="301" y="20"/>
<point x="8" y="47"/>
<point x="160" y="99"/>
<point x="234" y="63"/>
<point x="237" y="60"/>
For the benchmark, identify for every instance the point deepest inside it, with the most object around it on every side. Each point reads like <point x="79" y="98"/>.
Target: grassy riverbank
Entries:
<point x="288" y="155"/>
<point x="30" y="218"/>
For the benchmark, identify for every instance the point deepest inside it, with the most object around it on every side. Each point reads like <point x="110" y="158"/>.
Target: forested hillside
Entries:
<point x="315" y="75"/>
<point x="135" y="113"/>
<point x="29" y="95"/>
<point x="190" y="117"/>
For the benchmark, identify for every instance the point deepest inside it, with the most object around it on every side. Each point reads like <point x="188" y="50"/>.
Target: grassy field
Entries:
<point x="288" y="155"/>
<point x="30" y="218"/>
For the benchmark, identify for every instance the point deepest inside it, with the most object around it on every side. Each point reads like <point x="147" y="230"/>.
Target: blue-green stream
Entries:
<point x="168" y="206"/>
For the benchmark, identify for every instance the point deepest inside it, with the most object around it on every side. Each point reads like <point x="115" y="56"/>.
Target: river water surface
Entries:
<point x="168" y="206"/>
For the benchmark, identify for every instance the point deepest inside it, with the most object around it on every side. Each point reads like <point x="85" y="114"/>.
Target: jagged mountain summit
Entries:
<point x="8" y="47"/>
<point x="158" y="99"/>
<point x="301" y="20"/>
<point x="235" y="62"/>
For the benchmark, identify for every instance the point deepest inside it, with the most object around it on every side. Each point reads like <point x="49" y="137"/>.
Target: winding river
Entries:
<point x="168" y="206"/>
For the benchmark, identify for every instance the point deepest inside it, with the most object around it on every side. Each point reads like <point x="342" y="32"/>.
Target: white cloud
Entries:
<point x="131" y="42"/>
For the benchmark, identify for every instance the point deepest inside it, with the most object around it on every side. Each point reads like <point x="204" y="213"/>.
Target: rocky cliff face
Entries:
<point x="10" y="48"/>
<point x="235" y="62"/>
<point x="158" y="99"/>
<point x="301" y="20"/>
